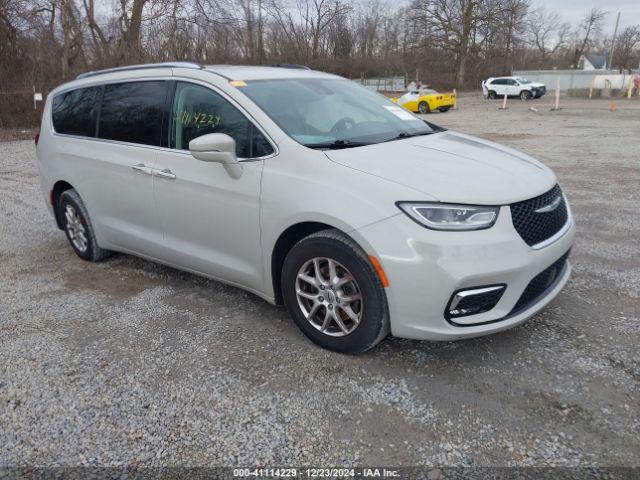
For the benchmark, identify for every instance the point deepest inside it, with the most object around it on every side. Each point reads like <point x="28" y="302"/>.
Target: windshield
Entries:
<point x="523" y="80"/>
<point x="332" y="113"/>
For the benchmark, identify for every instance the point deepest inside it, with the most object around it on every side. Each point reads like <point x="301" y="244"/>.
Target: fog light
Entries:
<point x="473" y="301"/>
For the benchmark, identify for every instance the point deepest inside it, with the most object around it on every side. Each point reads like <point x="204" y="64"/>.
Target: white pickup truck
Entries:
<point x="513" y="87"/>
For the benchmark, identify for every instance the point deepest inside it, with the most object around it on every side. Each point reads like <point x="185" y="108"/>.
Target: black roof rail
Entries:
<point x="289" y="65"/>
<point x="143" y="66"/>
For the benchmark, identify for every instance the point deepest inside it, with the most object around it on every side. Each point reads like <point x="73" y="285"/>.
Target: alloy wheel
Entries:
<point x="75" y="229"/>
<point x="329" y="296"/>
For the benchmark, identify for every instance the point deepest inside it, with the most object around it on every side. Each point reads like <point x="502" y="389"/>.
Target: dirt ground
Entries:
<point x="127" y="362"/>
<point x="12" y="134"/>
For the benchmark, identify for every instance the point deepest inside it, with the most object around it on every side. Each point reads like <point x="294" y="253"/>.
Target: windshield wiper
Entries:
<point x="336" y="144"/>
<point x="402" y="135"/>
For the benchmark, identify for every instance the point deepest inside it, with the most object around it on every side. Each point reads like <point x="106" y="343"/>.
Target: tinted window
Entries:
<point x="499" y="81"/>
<point x="74" y="112"/>
<point x="132" y="112"/>
<point x="198" y="111"/>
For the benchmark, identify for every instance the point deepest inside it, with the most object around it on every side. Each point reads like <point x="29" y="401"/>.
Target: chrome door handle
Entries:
<point x="141" y="167"/>
<point x="166" y="173"/>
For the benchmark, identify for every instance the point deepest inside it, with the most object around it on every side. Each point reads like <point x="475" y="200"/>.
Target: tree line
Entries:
<point x="446" y="43"/>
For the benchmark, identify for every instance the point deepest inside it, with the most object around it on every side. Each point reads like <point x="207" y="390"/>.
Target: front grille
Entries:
<point x="540" y="284"/>
<point x="535" y="227"/>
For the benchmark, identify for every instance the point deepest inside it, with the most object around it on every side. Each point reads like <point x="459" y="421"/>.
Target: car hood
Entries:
<point x="537" y="84"/>
<point x="452" y="167"/>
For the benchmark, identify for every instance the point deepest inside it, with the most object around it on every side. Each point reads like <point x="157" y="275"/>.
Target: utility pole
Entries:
<point x="613" y="42"/>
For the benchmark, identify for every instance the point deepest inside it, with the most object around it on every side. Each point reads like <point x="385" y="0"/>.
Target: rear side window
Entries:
<point x="499" y="81"/>
<point x="132" y="112"/>
<point x="74" y="112"/>
<point x="198" y="111"/>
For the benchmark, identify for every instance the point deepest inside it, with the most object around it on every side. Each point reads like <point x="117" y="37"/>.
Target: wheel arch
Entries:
<point x="59" y="188"/>
<point x="287" y="239"/>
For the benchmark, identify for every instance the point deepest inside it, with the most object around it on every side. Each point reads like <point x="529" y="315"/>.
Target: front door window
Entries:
<point x="198" y="111"/>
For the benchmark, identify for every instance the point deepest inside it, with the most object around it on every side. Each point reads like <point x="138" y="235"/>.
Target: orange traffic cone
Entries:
<point x="613" y="107"/>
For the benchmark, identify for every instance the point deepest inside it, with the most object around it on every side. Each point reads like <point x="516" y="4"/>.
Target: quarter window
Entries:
<point x="132" y="112"/>
<point x="199" y="111"/>
<point x="73" y="112"/>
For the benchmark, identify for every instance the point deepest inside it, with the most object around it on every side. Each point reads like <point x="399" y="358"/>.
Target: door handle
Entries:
<point x="141" y="167"/>
<point x="166" y="173"/>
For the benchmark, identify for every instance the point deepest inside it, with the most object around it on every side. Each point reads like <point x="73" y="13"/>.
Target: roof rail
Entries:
<point x="143" y="66"/>
<point x="289" y="65"/>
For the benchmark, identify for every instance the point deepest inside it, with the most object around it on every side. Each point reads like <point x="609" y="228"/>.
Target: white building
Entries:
<point x="591" y="61"/>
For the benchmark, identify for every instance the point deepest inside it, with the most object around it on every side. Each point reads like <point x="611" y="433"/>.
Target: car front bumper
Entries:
<point x="425" y="267"/>
<point x="539" y="91"/>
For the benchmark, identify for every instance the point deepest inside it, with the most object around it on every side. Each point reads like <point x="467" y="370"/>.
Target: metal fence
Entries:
<point x="577" y="79"/>
<point x="383" y="84"/>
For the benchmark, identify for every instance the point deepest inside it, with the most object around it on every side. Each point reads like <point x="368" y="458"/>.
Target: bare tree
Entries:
<point x="341" y="38"/>
<point x="367" y="25"/>
<point x="72" y="37"/>
<point x="443" y="42"/>
<point x="9" y="13"/>
<point x="453" y="25"/>
<point x="131" y="26"/>
<point x="626" y="54"/>
<point x="548" y="33"/>
<point x="306" y="28"/>
<point x="100" y="41"/>
<point x="512" y="25"/>
<point x="590" y="26"/>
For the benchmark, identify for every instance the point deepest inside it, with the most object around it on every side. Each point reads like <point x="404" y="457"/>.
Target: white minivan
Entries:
<point x="309" y="191"/>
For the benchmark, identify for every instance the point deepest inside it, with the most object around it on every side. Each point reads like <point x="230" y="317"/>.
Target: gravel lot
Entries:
<point x="128" y="362"/>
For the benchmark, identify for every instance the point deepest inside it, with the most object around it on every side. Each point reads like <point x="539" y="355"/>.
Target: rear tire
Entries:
<point x="423" y="108"/>
<point x="492" y="95"/>
<point x="444" y="109"/>
<point x="324" y="309"/>
<point x="77" y="226"/>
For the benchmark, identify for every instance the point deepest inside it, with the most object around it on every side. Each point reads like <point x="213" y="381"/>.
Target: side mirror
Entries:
<point x="218" y="148"/>
<point x="214" y="147"/>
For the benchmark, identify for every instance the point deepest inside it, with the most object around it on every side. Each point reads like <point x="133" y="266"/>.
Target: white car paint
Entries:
<point x="414" y="95"/>
<point x="512" y="87"/>
<point x="225" y="227"/>
<point x="438" y="165"/>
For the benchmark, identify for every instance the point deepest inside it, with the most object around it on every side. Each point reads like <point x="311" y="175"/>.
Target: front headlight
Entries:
<point x="446" y="216"/>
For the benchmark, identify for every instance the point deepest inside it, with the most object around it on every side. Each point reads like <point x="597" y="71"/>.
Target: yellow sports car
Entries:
<point x="426" y="100"/>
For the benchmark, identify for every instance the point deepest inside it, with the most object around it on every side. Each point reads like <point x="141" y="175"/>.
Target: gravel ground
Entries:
<point x="127" y="362"/>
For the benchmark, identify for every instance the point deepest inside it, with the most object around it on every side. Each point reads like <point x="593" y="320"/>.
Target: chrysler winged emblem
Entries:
<point x="551" y="207"/>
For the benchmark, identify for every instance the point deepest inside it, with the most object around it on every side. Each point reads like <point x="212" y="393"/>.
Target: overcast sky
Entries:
<point x="573" y="10"/>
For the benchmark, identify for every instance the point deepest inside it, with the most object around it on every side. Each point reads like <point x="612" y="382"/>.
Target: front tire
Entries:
<point x="525" y="95"/>
<point x="423" y="107"/>
<point x="77" y="226"/>
<point x="334" y="294"/>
